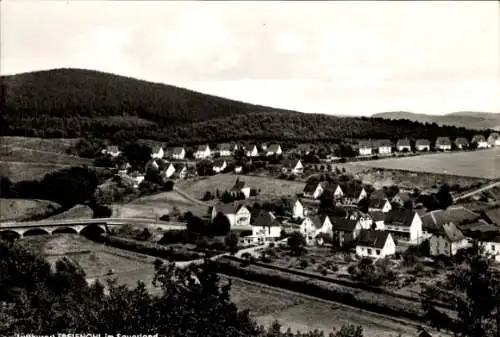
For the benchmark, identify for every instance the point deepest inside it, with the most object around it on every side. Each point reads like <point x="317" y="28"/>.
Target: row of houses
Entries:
<point x="385" y="146"/>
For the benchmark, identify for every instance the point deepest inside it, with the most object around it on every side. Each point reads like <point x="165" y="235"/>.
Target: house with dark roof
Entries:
<point x="401" y="198"/>
<point x="111" y="150"/>
<point x="345" y="230"/>
<point x="295" y="207"/>
<point x="292" y="166"/>
<point x="202" y="152"/>
<point x="351" y="193"/>
<point x="273" y="150"/>
<point x="403" y="145"/>
<point x="178" y="153"/>
<point x="238" y="215"/>
<point x="378" y="219"/>
<point x="493" y="139"/>
<point x="480" y="141"/>
<point x="226" y="149"/>
<point x="265" y="226"/>
<point x="252" y="151"/>
<point x="379" y="204"/>
<point x="240" y="187"/>
<point x="461" y="143"/>
<point x="312" y="226"/>
<point x="459" y="215"/>
<point x="422" y="145"/>
<point x="167" y="171"/>
<point x="314" y="189"/>
<point x="181" y="170"/>
<point x="219" y="165"/>
<point x="375" y="244"/>
<point x="447" y="241"/>
<point x="384" y="146"/>
<point x="443" y="144"/>
<point x="157" y="152"/>
<point x="365" y="147"/>
<point x="404" y="224"/>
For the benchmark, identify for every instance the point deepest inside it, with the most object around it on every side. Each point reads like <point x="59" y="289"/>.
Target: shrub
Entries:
<point x="165" y="217"/>
<point x="303" y="264"/>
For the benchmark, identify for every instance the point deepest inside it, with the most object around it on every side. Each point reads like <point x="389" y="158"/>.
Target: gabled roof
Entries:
<point x="266" y="219"/>
<point x="383" y="143"/>
<point x="112" y="148"/>
<point x="478" y="138"/>
<point x="365" y="144"/>
<point x="403" y="142"/>
<point x="273" y="148"/>
<point x="404" y="196"/>
<point x="344" y="225"/>
<point x="372" y="238"/>
<point x="493" y="136"/>
<point x="218" y="162"/>
<point x="378" y="194"/>
<point x="156" y="148"/>
<point x="178" y="150"/>
<point x="311" y="186"/>
<point x="431" y="221"/>
<point x="238" y="185"/>
<point x="228" y="208"/>
<point x="351" y="190"/>
<point x="202" y="148"/>
<point x="318" y="220"/>
<point x="225" y="147"/>
<point x="400" y="217"/>
<point x="290" y="163"/>
<point x="377" y="203"/>
<point x="450" y="232"/>
<point x="443" y="141"/>
<point x="377" y="215"/>
<point x="461" y="141"/>
<point x="422" y="142"/>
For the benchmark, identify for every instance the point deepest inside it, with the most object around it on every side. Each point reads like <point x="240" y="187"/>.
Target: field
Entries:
<point x="269" y="187"/>
<point x="24" y="209"/>
<point x="21" y="154"/>
<point x="76" y="212"/>
<point x="266" y="304"/>
<point x="156" y="205"/>
<point x="479" y="164"/>
<point x="58" y="145"/>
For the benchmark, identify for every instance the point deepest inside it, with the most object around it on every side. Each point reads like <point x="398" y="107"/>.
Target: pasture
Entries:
<point x="20" y="154"/>
<point x="24" y="209"/>
<point x="154" y="206"/>
<point x="56" y="145"/>
<point x="269" y="187"/>
<point x="18" y="170"/>
<point x="76" y="212"/>
<point x="479" y="164"/>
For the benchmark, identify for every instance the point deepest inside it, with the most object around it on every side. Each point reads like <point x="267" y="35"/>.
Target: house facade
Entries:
<point x="423" y="145"/>
<point x="112" y="151"/>
<point x="375" y="244"/>
<point x="168" y="171"/>
<point x="273" y="150"/>
<point x="238" y="215"/>
<point x="293" y="166"/>
<point x="404" y="224"/>
<point x="345" y="230"/>
<point x="265" y="225"/>
<point x="493" y="139"/>
<point x="480" y="141"/>
<point x="314" y="190"/>
<point x="219" y="165"/>
<point x="181" y="170"/>
<point x="461" y="143"/>
<point x="225" y="150"/>
<point x="298" y="211"/>
<point x="379" y="204"/>
<point x="179" y="153"/>
<point x="365" y="148"/>
<point x="443" y="144"/>
<point x="350" y="194"/>
<point x="403" y="145"/>
<point x="492" y="248"/>
<point x="240" y="187"/>
<point x="252" y="151"/>
<point x="384" y="147"/>
<point x="203" y="152"/>
<point x="157" y="152"/>
<point x="378" y="219"/>
<point x="448" y="240"/>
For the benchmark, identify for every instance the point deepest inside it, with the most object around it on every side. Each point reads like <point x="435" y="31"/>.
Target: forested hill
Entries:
<point x="75" y="102"/>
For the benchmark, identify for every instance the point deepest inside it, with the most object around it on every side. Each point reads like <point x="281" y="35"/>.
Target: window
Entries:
<point x="370" y="252"/>
<point x="378" y="251"/>
<point x="493" y="247"/>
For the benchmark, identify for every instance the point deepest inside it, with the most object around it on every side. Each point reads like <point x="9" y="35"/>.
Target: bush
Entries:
<point x="303" y="264"/>
<point x="165" y="217"/>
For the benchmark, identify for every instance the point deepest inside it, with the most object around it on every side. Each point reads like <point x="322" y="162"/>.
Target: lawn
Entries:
<point x="21" y="154"/>
<point x="156" y="205"/>
<point x="24" y="209"/>
<point x="270" y="187"/>
<point x="479" y="164"/>
<point x="17" y="171"/>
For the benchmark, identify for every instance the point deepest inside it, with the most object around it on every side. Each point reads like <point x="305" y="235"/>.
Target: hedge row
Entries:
<point x="380" y="303"/>
<point x="148" y="248"/>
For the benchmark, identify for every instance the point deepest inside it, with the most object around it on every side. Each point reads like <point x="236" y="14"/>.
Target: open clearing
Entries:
<point x="56" y="145"/>
<point x="13" y="153"/>
<point x="270" y="187"/>
<point x="75" y="212"/>
<point x="266" y="304"/>
<point x="154" y="206"/>
<point x="24" y="209"/>
<point x="479" y="164"/>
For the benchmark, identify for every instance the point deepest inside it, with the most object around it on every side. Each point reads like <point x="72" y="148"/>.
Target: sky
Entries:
<point x="344" y="58"/>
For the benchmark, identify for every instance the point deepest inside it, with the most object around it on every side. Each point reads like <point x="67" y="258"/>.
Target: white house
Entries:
<point x="378" y="219"/>
<point x="404" y="224"/>
<point x="298" y="211"/>
<point x="311" y="227"/>
<point x="240" y="187"/>
<point x="351" y="193"/>
<point x="181" y="170"/>
<point x="314" y="189"/>
<point x="225" y="150"/>
<point x="423" y="145"/>
<point x="137" y="178"/>
<point x="252" y="151"/>
<point x="443" y="144"/>
<point x="168" y="171"/>
<point x="384" y="146"/>
<point x="379" y="204"/>
<point x="375" y="244"/>
<point x="111" y="150"/>
<point x="179" y="153"/>
<point x="403" y="145"/>
<point x="461" y="143"/>
<point x="493" y="139"/>
<point x="401" y="198"/>
<point x="273" y="150"/>
<point x="202" y="152"/>
<point x="292" y="166"/>
<point x="365" y="148"/>
<point x="345" y="230"/>
<point x="480" y="141"/>
<point x="219" y="165"/>
<point x="448" y="240"/>
<point x="492" y="247"/>
<point x="238" y="169"/>
<point x="157" y="152"/>
<point x="238" y="215"/>
<point x="266" y="226"/>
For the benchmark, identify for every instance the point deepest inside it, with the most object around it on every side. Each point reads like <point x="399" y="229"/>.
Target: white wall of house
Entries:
<point x="218" y="169"/>
<point x="308" y="230"/>
<point x="423" y="147"/>
<point x="246" y="192"/>
<point x="439" y="245"/>
<point x="159" y="154"/>
<point x="298" y="210"/>
<point x="444" y="147"/>
<point x="317" y="192"/>
<point x="180" y="156"/>
<point x="379" y="225"/>
<point x="169" y="171"/>
<point x="365" y="151"/>
<point x="271" y="232"/>
<point x="388" y="250"/>
<point x="203" y="154"/>
<point x="482" y="145"/>
<point x="253" y="152"/>
<point x="384" y="150"/>
<point x="492" y="249"/>
<point x="182" y="173"/>
<point x="299" y="168"/>
<point x="401" y="148"/>
<point x="326" y="228"/>
<point x="225" y="153"/>
<point x="386" y="208"/>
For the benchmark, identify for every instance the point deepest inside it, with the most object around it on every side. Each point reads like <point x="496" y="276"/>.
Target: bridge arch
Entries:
<point x="36" y="231"/>
<point x="93" y="230"/>
<point x="65" y="230"/>
<point x="10" y="235"/>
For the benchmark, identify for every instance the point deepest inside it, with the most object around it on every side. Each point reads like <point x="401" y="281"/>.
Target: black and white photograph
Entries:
<point x="249" y="168"/>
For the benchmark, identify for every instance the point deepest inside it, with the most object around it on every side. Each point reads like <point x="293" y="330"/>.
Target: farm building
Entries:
<point x="157" y="152"/>
<point x="273" y="150"/>
<point x="443" y="144"/>
<point x="480" y="141"/>
<point x="493" y="139"/>
<point x="423" y="145"/>
<point x="461" y="143"/>
<point x="179" y="153"/>
<point x="384" y="146"/>
<point x="203" y="152"/>
<point x="404" y="224"/>
<point x="447" y="241"/>
<point x="365" y="148"/>
<point x="403" y="145"/>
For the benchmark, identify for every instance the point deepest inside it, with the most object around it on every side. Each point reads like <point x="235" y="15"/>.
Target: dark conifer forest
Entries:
<point x="80" y="103"/>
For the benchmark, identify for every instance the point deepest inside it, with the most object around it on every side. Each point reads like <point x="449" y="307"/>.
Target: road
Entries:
<point x="479" y="190"/>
